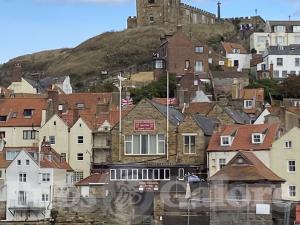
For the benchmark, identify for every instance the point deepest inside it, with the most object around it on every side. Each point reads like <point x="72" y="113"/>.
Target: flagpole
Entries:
<point x="167" y="149"/>
<point x="120" y="114"/>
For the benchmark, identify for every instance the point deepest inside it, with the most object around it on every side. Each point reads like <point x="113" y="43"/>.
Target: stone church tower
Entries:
<point x="163" y="12"/>
<point x="168" y="12"/>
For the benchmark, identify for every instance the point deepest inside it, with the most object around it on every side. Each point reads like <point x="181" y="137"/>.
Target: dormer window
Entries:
<point x="248" y="104"/>
<point x="225" y="140"/>
<point x="28" y="113"/>
<point x="257" y="138"/>
<point x="279" y="29"/>
<point x="296" y="29"/>
<point x="236" y="50"/>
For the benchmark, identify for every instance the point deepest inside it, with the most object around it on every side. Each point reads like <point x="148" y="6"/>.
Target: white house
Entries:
<point x="236" y="56"/>
<point x="23" y="86"/>
<point x="282" y="61"/>
<point x="33" y="184"/>
<point x="276" y="33"/>
<point x="20" y="119"/>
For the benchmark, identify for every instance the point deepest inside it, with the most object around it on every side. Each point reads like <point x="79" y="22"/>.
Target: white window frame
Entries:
<point x="199" y="49"/>
<point x="77" y="175"/>
<point x="79" y="139"/>
<point x="290" y="191"/>
<point x="180" y="172"/>
<point x="296" y="29"/>
<point x="110" y="174"/>
<point x="158" y="173"/>
<point x="143" y="178"/>
<point x="158" y="141"/>
<point x="77" y="155"/>
<point x="45" y="197"/>
<point x="126" y="174"/>
<point x="46" y="177"/>
<point x="165" y="170"/>
<point x="222" y="163"/>
<point x="223" y="138"/>
<point x="52" y="140"/>
<point x="248" y="104"/>
<point x="189" y="144"/>
<point x="22" y="177"/>
<point x="254" y="141"/>
<point x="279" y="28"/>
<point x="290" y="166"/>
<point x="288" y="144"/>
<point x="137" y="174"/>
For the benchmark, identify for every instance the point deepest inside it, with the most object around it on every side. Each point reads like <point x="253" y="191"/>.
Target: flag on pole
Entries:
<point x="126" y="102"/>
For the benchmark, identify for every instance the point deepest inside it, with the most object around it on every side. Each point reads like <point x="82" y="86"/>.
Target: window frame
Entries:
<point x="223" y="164"/>
<point x="289" y="166"/>
<point x="290" y="191"/>
<point x="129" y="139"/>
<point x="224" y="138"/>
<point x="29" y="134"/>
<point x="254" y="139"/>
<point x="52" y="140"/>
<point x="247" y="105"/>
<point x="22" y="177"/>
<point x="288" y="144"/>
<point x="80" y="139"/>
<point x="80" y="157"/>
<point x="199" y="49"/>
<point x="46" y="177"/>
<point x="189" y="144"/>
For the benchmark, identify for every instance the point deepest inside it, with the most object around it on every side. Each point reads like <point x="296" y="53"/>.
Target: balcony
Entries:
<point x="28" y="206"/>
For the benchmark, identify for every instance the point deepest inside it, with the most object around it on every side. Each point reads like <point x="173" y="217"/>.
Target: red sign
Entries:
<point x="148" y="186"/>
<point x="144" y="125"/>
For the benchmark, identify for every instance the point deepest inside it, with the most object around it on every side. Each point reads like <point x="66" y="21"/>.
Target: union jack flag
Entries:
<point x="126" y="102"/>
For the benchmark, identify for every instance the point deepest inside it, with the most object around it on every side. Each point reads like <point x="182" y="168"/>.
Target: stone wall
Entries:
<point x="2" y="210"/>
<point x="236" y="218"/>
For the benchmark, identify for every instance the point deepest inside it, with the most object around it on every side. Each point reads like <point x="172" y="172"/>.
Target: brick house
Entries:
<point x="181" y="55"/>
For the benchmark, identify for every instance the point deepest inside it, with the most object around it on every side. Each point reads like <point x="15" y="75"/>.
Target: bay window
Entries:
<point x="144" y="144"/>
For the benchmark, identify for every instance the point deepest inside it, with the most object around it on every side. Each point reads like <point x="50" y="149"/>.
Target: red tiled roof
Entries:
<point x="202" y="108"/>
<point x="251" y="170"/>
<point x="3" y="162"/>
<point x="163" y="101"/>
<point x="94" y="179"/>
<point x="11" y="107"/>
<point x="256" y="93"/>
<point x="243" y="137"/>
<point x="55" y="161"/>
<point x="230" y="46"/>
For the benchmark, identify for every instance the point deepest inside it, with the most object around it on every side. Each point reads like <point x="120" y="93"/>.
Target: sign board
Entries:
<point x="263" y="209"/>
<point x="221" y="63"/>
<point x="148" y="186"/>
<point x="144" y="125"/>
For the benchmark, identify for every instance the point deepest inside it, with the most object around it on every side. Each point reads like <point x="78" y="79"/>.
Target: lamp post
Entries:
<point x="119" y="86"/>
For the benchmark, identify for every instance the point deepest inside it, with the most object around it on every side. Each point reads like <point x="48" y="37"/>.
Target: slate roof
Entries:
<point x="288" y="23"/>
<point x="251" y="170"/>
<point x="175" y="116"/>
<point x="207" y="124"/>
<point x="243" y="137"/>
<point x="94" y="179"/>
<point x="238" y="116"/>
<point x="284" y="50"/>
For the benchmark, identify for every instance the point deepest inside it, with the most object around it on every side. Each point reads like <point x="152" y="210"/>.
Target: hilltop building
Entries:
<point x="171" y="12"/>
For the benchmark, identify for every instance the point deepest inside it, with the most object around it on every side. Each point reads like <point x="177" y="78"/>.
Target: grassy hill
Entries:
<point x="110" y="51"/>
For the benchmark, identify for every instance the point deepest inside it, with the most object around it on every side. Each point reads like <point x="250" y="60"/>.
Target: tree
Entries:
<point x="290" y="87"/>
<point x="155" y="89"/>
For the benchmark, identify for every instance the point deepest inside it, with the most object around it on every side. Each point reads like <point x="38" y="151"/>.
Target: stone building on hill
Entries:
<point x="168" y="12"/>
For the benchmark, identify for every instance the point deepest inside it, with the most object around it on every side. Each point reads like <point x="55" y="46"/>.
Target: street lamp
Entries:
<point x="119" y="86"/>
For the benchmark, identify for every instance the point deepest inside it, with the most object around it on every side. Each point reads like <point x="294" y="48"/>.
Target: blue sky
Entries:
<point x="34" y="25"/>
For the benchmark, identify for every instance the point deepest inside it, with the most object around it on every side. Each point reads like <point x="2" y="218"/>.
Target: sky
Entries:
<point x="28" y="26"/>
